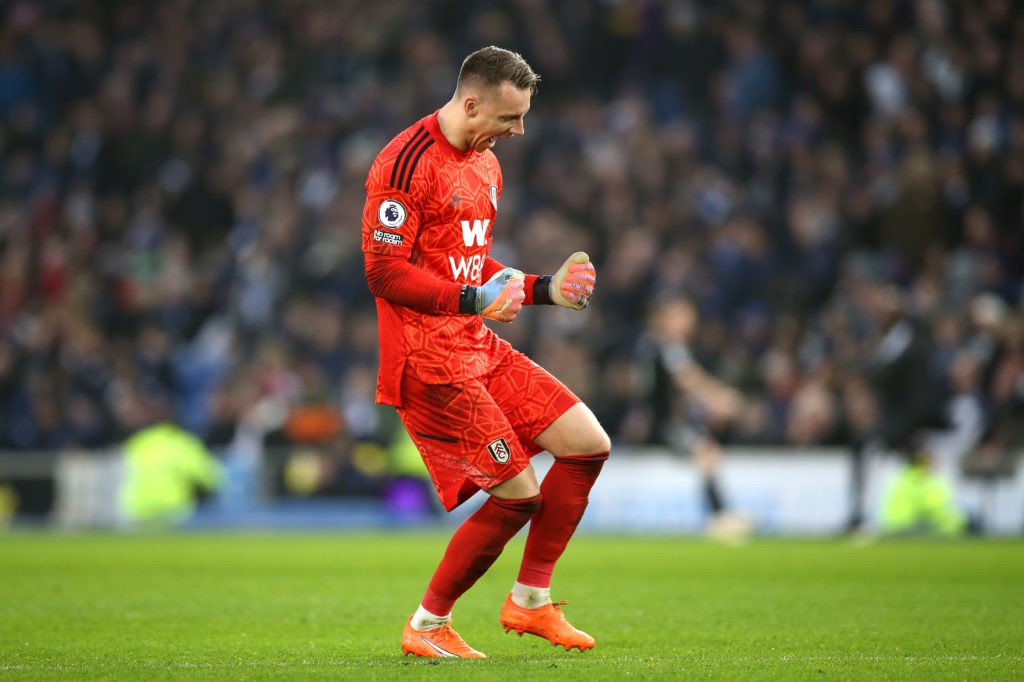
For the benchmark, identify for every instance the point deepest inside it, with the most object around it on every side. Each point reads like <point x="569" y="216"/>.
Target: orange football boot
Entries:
<point x="442" y="642"/>
<point x="548" y="622"/>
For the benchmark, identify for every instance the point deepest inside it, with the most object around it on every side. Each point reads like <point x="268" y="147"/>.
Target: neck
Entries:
<point x="447" y="121"/>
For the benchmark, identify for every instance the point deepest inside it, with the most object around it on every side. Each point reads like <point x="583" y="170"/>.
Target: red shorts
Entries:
<point x="477" y="434"/>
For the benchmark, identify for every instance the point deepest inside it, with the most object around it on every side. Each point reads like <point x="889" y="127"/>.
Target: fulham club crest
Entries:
<point x="499" y="451"/>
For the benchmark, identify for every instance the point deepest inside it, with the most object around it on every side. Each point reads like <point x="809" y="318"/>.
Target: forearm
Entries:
<point x="716" y="396"/>
<point x="535" y="286"/>
<point x="401" y="282"/>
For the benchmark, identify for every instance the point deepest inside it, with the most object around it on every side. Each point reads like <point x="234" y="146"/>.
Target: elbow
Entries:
<point x="375" y="273"/>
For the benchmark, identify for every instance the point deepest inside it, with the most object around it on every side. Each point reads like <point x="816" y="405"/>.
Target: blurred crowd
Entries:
<point x="181" y="184"/>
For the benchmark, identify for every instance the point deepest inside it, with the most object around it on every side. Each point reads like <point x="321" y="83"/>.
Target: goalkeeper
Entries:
<point x="477" y="409"/>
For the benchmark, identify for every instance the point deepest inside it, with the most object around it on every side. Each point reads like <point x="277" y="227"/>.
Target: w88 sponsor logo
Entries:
<point x="468" y="270"/>
<point x="473" y="234"/>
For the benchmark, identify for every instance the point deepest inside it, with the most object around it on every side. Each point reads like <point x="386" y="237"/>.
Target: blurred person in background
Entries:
<point x="917" y="501"/>
<point x="680" y="405"/>
<point x="996" y="456"/>
<point x="476" y="408"/>
<point x="909" y="397"/>
<point x="969" y="420"/>
<point x="1007" y="384"/>
<point x="167" y="471"/>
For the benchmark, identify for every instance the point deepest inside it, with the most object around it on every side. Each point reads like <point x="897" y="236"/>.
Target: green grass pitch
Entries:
<point x="236" y="606"/>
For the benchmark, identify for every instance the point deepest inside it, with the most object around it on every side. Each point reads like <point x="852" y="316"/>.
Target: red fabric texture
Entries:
<point x="433" y="206"/>
<point x="399" y="281"/>
<point x="528" y="283"/>
<point x="474" y="547"/>
<point x="565" y="493"/>
<point x="458" y="428"/>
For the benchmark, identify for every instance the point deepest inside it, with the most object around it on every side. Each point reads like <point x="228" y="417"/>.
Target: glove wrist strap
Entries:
<point x="467" y="300"/>
<point x="542" y="291"/>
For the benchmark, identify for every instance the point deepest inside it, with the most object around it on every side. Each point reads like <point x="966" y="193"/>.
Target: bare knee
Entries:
<point x="521" y="486"/>
<point x="594" y="442"/>
<point x="576" y="432"/>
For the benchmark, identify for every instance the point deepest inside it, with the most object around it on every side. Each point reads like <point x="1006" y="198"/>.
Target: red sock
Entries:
<point x="474" y="547"/>
<point x="565" y="492"/>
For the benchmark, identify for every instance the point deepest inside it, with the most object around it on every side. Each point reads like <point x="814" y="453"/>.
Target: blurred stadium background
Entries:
<point x="181" y="184"/>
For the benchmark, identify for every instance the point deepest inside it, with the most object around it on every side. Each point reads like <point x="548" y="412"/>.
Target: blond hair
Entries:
<point x="492" y="66"/>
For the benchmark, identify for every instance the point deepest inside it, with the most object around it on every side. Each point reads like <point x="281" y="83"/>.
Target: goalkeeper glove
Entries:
<point x="501" y="297"/>
<point x="573" y="284"/>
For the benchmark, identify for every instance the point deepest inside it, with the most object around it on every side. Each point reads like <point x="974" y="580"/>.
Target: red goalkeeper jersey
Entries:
<point x="432" y="205"/>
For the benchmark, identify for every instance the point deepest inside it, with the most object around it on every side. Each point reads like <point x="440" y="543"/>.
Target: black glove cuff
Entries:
<point x="467" y="300"/>
<point x="542" y="291"/>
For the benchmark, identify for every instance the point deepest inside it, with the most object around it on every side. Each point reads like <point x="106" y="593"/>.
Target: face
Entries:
<point x="496" y="112"/>
<point x="675" y="321"/>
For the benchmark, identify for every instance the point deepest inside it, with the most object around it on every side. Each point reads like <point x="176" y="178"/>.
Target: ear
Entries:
<point x="471" y="105"/>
